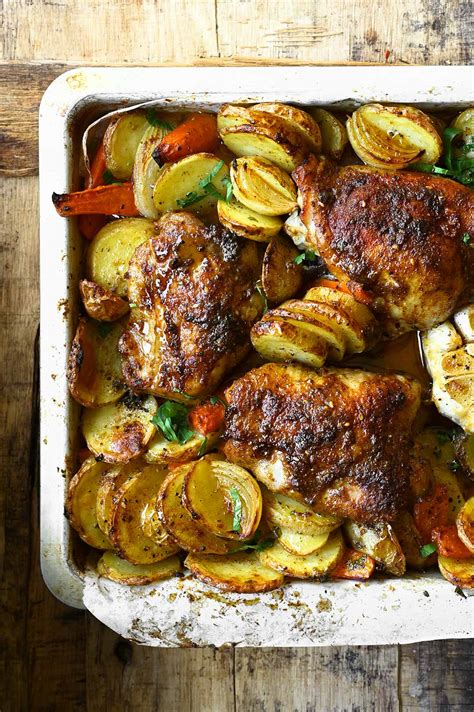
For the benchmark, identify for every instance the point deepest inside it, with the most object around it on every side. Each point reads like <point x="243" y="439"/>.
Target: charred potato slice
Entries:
<point x="300" y="120"/>
<point x="281" y="277"/>
<point x="161" y="450"/>
<point x="315" y="565"/>
<point x="245" y="222"/>
<point x="146" y="171"/>
<point x="333" y="132"/>
<point x="242" y="572"/>
<point x="130" y="519"/>
<point x="262" y="186"/>
<point x="81" y="502"/>
<point x="190" y="534"/>
<point x="224" y="497"/>
<point x="111" y="566"/>
<point x="101" y="304"/>
<point x="110" y="483"/>
<point x="188" y="183"/>
<point x="301" y="544"/>
<point x="459" y="572"/>
<point x="465" y="524"/>
<point x="94" y="369"/>
<point x="121" y="141"/>
<point x="111" y="250"/>
<point x="278" y="339"/>
<point x="120" y="432"/>
<point x="411" y="542"/>
<point x="285" y="512"/>
<point x="380" y="542"/>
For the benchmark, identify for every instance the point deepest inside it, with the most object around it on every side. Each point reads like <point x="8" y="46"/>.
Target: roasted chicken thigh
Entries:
<point x="400" y="235"/>
<point x="338" y="439"/>
<point x="194" y="301"/>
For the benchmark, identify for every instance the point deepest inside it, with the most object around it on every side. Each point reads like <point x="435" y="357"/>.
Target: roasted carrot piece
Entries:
<point x="198" y="133"/>
<point x="207" y="417"/>
<point x="352" y="288"/>
<point x="432" y="511"/>
<point x="449" y="544"/>
<point x="89" y="225"/>
<point x="115" y="199"/>
<point x="354" y="565"/>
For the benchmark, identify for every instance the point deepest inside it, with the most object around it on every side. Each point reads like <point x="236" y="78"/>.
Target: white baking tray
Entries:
<point x="185" y="611"/>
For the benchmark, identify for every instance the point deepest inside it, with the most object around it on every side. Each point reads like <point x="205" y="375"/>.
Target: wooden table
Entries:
<point x="57" y="658"/>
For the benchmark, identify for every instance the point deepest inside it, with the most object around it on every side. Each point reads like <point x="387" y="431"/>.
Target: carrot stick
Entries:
<point x="196" y="134"/>
<point x="449" y="544"/>
<point x="432" y="511"/>
<point x="115" y="199"/>
<point x="354" y="565"/>
<point x="352" y="288"/>
<point x="89" y="225"/>
<point x="207" y="417"/>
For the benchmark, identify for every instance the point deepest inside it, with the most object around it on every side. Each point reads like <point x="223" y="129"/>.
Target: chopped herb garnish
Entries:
<point x="460" y="592"/>
<point x="257" y="543"/>
<point x="172" y="419"/>
<point x="214" y="400"/>
<point x="307" y="256"/>
<point x="108" y="178"/>
<point x="261" y="291"/>
<point x="211" y="189"/>
<point x="153" y="120"/>
<point x="104" y="328"/>
<point x="466" y="238"/>
<point x="189" y="199"/>
<point x="203" y="448"/>
<point x="228" y="188"/>
<point x="454" y="465"/>
<point x="236" y="509"/>
<point x="132" y="305"/>
<point x="211" y="175"/>
<point x="460" y="169"/>
<point x="182" y="393"/>
<point x="426" y="550"/>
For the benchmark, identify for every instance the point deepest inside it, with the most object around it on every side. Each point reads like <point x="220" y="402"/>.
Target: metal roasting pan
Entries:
<point x="185" y="611"/>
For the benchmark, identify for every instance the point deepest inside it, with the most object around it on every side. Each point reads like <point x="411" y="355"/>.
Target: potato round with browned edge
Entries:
<point x="81" y="503"/>
<point x="101" y="304"/>
<point x="242" y="572"/>
<point x="111" y="566"/>
<point x="459" y="572"/>
<point x="237" y="218"/>
<point x="121" y="141"/>
<point x="281" y="277"/>
<point x="314" y="565"/>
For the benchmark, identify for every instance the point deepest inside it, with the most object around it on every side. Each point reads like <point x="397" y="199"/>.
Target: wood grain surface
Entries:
<point x="56" y="658"/>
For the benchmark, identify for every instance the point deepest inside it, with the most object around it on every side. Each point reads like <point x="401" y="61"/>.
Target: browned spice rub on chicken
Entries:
<point x="400" y="235"/>
<point x="194" y="302"/>
<point x="339" y="439"/>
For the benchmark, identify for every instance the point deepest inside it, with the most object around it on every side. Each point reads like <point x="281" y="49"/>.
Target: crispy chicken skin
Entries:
<point x="194" y="296"/>
<point x="338" y="439"/>
<point x="397" y="234"/>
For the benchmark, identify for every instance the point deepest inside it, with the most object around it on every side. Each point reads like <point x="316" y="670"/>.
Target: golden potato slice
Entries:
<point x="465" y="122"/>
<point x="301" y="544"/>
<point x="224" y="497"/>
<point x="358" y="145"/>
<point x="281" y="277"/>
<point x="146" y="171"/>
<point x="287" y="513"/>
<point x="161" y="450"/>
<point x="194" y="183"/>
<point x="388" y="149"/>
<point x="279" y="339"/>
<point x="121" y="141"/>
<point x="238" y="573"/>
<point x="245" y="222"/>
<point x="300" y="120"/>
<point x="262" y="186"/>
<point x="80" y="503"/>
<point x="111" y="566"/>
<point x="121" y="431"/>
<point x="190" y="534"/>
<point x="348" y="304"/>
<point x="94" y="367"/>
<point x="464" y="449"/>
<point x="315" y="565"/>
<point x="229" y="116"/>
<point x="459" y="572"/>
<point x="130" y="519"/>
<point x="111" y="250"/>
<point x="299" y="312"/>
<point x="411" y="542"/>
<point x="110" y="483"/>
<point x="336" y="318"/>
<point x="465" y="524"/>
<point x="101" y="304"/>
<point x="333" y="132"/>
<point x="380" y="542"/>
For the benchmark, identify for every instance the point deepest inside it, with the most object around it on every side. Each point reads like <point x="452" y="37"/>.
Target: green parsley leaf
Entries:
<point x="189" y="199"/>
<point x="229" y="189"/>
<point x="236" y="509"/>
<point x="257" y="543"/>
<point x="211" y="189"/>
<point x="104" y="328"/>
<point x="132" y="305"/>
<point x="108" y="178"/>
<point x="460" y="592"/>
<point x="211" y="175"/>
<point x="203" y="448"/>
<point x="466" y="238"/>
<point x="454" y="466"/>
<point x="426" y="550"/>
<point x="153" y="120"/>
<point x="449" y="134"/>
<point x="214" y="400"/>
<point x="307" y="256"/>
<point x="261" y="291"/>
<point x="172" y="419"/>
<point x="430" y="168"/>
<point x="182" y="393"/>
<point x="460" y="169"/>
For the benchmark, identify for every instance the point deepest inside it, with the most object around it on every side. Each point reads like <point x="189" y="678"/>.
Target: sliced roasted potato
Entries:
<point x="161" y="450"/>
<point x="110" y="483"/>
<point x="242" y="572"/>
<point x="459" y="572"/>
<point x="101" y="304"/>
<point x="411" y="542"/>
<point x="378" y="541"/>
<point x="285" y="512"/>
<point x="465" y="122"/>
<point x="111" y="250"/>
<point x="121" y="431"/>
<point x="111" y="566"/>
<point x="80" y="503"/>
<point x="357" y="337"/>
<point x="319" y="563"/>
<point x="300" y="312"/>
<point x="146" y="171"/>
<point x="301" y="544"/>
<point x="224" y="497"/>
<point x="278" y="339"/>
<point x="464" y="448"/>
<point x="281" y="277"/>
<point x="121" y="141"/>
<point x="333" y="132"/>
<point x="190" y="534"/>
<point x="245" y="222"/>
<point x="465" y="524"/>
<point x="300" y="120"/>
<point x="194" y="183"/>
<point x="262" y="186"/>
<point x="94" y="368"/>
<point x="130" y="519"/>
<point x="436" y="445"/>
